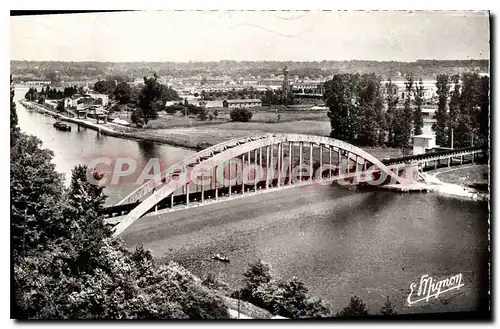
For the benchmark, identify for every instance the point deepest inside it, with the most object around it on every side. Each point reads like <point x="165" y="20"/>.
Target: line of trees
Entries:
<point x="268" y="97"/>
<point x="360" y="114"/>
<point x="47" y="93"/>
<point x="462" y="117"/>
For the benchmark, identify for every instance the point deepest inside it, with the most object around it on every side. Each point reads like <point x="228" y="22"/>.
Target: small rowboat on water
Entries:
<point x="220" y="258"/>
<point x="97" y="175"/>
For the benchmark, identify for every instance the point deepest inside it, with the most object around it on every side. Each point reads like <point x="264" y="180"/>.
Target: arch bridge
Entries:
<point x="250" y="165"/>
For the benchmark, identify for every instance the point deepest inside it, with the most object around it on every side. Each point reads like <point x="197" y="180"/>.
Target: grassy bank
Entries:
<point x="475" y="176"/>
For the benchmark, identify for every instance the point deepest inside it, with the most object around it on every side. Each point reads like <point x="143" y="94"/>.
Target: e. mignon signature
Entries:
<point x="430" y="287"/>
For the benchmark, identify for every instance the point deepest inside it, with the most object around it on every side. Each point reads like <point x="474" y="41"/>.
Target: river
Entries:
<point x="82" y="145"/>
<point x="339" y="242"/>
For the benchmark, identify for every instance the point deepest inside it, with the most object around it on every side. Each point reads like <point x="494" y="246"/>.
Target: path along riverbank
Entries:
<point x="441" y="187"/>
<point x="114" y="130"/>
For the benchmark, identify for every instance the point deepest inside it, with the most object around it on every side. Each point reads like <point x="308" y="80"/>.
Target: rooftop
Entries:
<point x="243" y="101"/>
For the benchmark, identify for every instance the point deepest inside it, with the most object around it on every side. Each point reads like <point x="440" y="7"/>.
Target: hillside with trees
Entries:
<point x="91" y="71"/>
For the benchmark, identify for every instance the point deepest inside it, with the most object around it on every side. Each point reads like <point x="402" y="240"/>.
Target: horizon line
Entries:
<point x="255" y="61"/>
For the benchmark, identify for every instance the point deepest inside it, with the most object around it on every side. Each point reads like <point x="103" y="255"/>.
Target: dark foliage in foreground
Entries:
<point x="66" y="263"/>
<point x="287" y="298"/>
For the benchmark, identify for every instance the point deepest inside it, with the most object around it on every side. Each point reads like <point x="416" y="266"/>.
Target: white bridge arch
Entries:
<point x="175" y="177"/>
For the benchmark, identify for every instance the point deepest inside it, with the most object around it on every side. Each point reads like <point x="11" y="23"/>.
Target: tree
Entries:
<point x="469" y="111"/>
<point x="454" y="110"/>
<point x="122" y="93"/>
<point x="35" y="191"/>
<point x="105" y="86"/>
<point x="371" y="105"/>
<point x="53" y="77"/>
<point x="152" y="98"/>
<point x="14" y="130"/>
<point x="390" y="115"/>
<point x="136" y="118"/>
<point x="388" y="308"/>
<point x="287" y="298"/>
<point x="356" y="307"/>
<point x="216" y="113"/>
<point x="240" y="114"/>
<point x="442" y="120"/>
<point x="168" y="94"/>
<point x="418" y="122"/>
<point x="202" y="115"/>
<point x="407" y="118"/>
<point x="484" y="115"/>
<point x="70" y="91"/>
<point x="341" y="96"/>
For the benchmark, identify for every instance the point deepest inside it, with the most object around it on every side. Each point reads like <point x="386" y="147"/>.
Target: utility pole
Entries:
<point x="451" y="138"/>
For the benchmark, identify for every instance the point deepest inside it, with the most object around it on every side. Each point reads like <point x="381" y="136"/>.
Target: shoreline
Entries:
<point x="105" y="130"/>
<point x="435" y="185"/>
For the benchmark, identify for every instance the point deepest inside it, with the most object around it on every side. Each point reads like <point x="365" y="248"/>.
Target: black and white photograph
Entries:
<point x="250" y="165"/>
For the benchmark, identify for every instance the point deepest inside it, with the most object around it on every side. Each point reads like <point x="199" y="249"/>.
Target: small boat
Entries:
<point x="62" y="126"/>
<point x="221" y="258"/>
<point x="97" y="175"/>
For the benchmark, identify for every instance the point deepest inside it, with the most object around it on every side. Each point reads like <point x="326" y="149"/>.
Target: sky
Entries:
<point x="182" y="36"/>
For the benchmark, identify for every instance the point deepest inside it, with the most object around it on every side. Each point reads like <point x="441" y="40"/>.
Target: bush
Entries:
<point x="202" y="115"/>
<point x="136" y="118"/>
<point x="242" y="115"/>
<point x="388" y="308"/>
<point x="356" y="307"/>
<point x="287" y="298"/>
<point x="172" y="109"/>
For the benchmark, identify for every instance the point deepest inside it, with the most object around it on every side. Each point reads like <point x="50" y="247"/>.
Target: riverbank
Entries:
<point x="116" y="131"/>
<point x="201" y="137"/>
<point x="459" y="182"/>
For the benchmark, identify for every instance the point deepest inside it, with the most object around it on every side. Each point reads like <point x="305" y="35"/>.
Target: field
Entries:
<point x="475" y="176"/>
<point x="179" y="130"/>
<point x="261" y="115"/>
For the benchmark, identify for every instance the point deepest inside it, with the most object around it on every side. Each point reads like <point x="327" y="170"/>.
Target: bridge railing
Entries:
<point x="460" y="151"/>
<point x="180" y="168"/>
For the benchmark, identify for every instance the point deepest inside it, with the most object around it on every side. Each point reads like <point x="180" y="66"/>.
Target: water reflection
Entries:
<point x="82" y="145"/>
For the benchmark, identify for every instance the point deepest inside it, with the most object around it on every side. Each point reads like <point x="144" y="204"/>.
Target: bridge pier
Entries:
<point x="202" y="189"/>
<point x="215" y="183"/>
<point x="242" y="178"/>
<point x="290" y="157"/>
<point x="461" y="159"/>
<point x="310" y="161"/>
<point x="280" y="162"/>
<point x="449" y="162"/>
<point x="267" y="167"/>
<point x="435" y="164"/>
<point x="330" y="168"/>
<point x="301" y="146"/>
